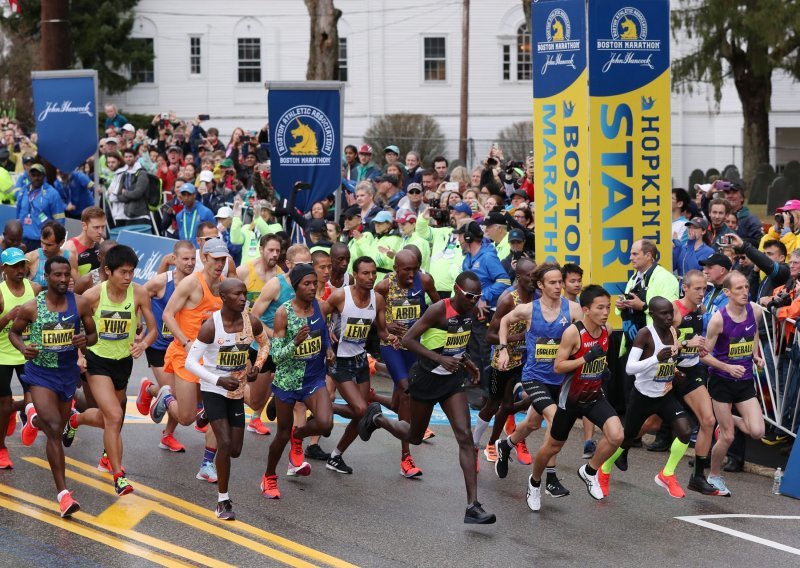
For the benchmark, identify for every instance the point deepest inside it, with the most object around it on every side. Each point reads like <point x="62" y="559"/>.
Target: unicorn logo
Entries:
<point x="557" y="27"/>
<point x="307" y="145"/>
<point x="628" y="29"/>
<point x="558" y="31"/>
<point x="569" y="108"/>
<point x="647" y="103"/>
<point x="629" y="24"/>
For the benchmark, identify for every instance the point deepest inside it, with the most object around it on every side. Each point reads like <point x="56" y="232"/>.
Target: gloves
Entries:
<point x="594" y="353"/>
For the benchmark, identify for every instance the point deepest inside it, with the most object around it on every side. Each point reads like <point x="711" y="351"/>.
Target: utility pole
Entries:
<point x="462" y="131"/>
<point x="55" y="34"/>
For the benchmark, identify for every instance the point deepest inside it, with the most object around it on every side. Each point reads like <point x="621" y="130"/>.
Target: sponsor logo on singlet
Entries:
<point x="114" y="325"/>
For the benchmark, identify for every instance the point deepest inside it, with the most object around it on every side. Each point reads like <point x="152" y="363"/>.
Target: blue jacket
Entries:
<point x="686" y="258"/>
<point x="77" y="190"/>
<point x="35" y="208"/>
<point x="188" y="230"/>
<point x="714" y="300"/>
<point x="748" y="226"/>
<point x="494" y="279"/>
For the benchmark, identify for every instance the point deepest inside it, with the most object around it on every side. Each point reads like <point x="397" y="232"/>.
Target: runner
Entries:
<point x="191" y="304"/>
<point x="53" y="235"/>
<point x="340" y="260"/>
<point x="690" y="380"/>
<point x="222" y="345"/>
<point x="51" y="369"/>
<point x="83" y="249"/>
<point x="15" y="290"/>
<point x="546" y="319"/>
<point x="300" y="348"/>
<point x="160" y="290"/>
<point x="404" y="292"/>
<point x="115" y="304"/>
<point x="581" y="356"/>
<point x="732" y="345"/>
<point x="358" y="307"/>
<point x="206" y="231"/>
<point x="95" y="275"/>
<point x="438" y="377"/>
<point x="652" y="361"/>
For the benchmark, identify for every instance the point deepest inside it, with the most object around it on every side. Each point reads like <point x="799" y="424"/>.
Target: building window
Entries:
<point x="195" y="67"/>
<point x="249" y="59"/>
<point x="506" y="63"/>
<point x="144" y="72"/>
<point x="523" y="53"/>
<point x="435" y="59"/>
<point x="342" y="76"/>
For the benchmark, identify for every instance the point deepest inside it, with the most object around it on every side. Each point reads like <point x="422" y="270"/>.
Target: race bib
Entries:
<point x="166" y="332"/>
<point x="56" y="337"/>
<point x="665" y="371"/>
<point x="356" y="330"/>
<point x="114" y="325"/>
<point x="546" y="348"/>
<point x="740" y="348"/>
<point x="232" y="358"/>
<point x="310" y="347"/>
<point x="408" y="311"/>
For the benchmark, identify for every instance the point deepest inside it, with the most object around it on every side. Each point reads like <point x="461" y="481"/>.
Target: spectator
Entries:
<point x="192" y="214"/>
<point x="440" y="167"/>
<point x="680" y="208"/>
<point x="716" y="268"/>
<point x="114" y="118"/>
<point x="786" y="227"/>
<point x="527" y="183"/>
<point x="24" y="180"/>
<point x="732" y="222"/>
<point x="392" y="156"/>
<point x="37" y="204"/>
<point x="446" y="253"/>
<point x="380" y="245"/>
<point x="524" y="216"/>
<point x="389" y="191"/>
<point x="429" y="182"/>
<point x="316" y="232"/>
<point x="350" y="164"/>
<point x="127" y="195"/>
<point x="334" y="231"/>
<point x="718" y="209"/>
<point x="366" y="170"/>
<point x="516" y="242"/>
<point x="749" y="227"/>
<point x="413" y="200"/>
<point x="519" y="199"/>
<point x="407" y="223"/>
<point x="496" y="229"/>
<point x="76" y="190"/>
<point x="413" y="167"/>
<point x="772" y="268"/>
<point x="365" y="199"/>
<point x="688" y="256"/>
<point x="224" y="217"/>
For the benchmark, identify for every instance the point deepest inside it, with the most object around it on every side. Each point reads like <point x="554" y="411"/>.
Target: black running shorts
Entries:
<point x="220" y="407"/>
<point x="269" y="364"/>
<point x="498" y="380"/>
<point x="598" y="412"/>
<point x="641" y="407"/>
<point x="118" y="369"/>
<point x="6" y="372"/>
<point x="155" y="357"/>
<point x="346" y="369"/>
<point x="541" y="395"/>
<point x="693" y="377"/>
<point x="430" y="387"/>
<point x="729" y="391"/>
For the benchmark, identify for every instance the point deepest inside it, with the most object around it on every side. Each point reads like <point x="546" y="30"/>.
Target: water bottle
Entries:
<point x="776" y="482"/>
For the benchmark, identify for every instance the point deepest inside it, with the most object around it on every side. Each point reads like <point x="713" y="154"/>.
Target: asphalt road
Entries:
<point x="374" y="517"/>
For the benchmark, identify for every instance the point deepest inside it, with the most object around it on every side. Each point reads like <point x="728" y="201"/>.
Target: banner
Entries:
<point x="66" y="116"/>
<point x="561" y="143"/>
<point x="150" y="250"/>
<point x="305" y="128"/>
<point x="629" y="130"/>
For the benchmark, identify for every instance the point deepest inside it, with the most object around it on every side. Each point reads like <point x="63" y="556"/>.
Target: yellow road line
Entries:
<point x="91" y="534"/>
<point x="192" y="521"/>
<point x="100" y="524"/>
<point x="199" y="512"/>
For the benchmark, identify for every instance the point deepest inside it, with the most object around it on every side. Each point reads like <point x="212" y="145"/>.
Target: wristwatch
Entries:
<point x="684" y="344"/>
<point x="501" y="346"/>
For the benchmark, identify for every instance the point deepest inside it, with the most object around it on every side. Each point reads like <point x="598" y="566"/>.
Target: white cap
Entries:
<point x="129" y="127"/>
<point x="207" y="176"/>
<point x="112" y="140"/>
<point x="704" y="187"/>
<point x="224" y="212"/>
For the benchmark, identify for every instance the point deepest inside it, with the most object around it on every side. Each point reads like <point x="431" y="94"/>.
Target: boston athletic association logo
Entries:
<point x="628" y="44"/>
<point x="559" y="46"/>
<point x="304" y="137"/>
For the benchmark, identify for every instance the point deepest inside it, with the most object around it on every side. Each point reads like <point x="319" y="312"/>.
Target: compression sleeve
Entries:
<point x="263" y="349"/>
<point x="194" y="366"/>
<point x="635" y="365"/>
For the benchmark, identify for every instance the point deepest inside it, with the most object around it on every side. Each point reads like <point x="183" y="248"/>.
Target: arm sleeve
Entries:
<point x="635" y="364"/>
<point x="193" y="365"/>
<point x="263" y="348"/>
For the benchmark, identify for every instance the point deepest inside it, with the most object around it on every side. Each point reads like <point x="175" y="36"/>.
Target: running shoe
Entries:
<point x="269" y="487"/>
<point x="477" y="459"/>
<point x="592" y="484"/>
<point x="122" y="486"/>
<point x="336" y="463"/>
<point x="144" y="399"/>
<point x="303" y="470"/>
<point x="68" y="436"/>
<point x="428" y="434"/>
<point x="272" y="410"/>
<point x="589" y="448"/>
<point x="719" y="484"/>
<point x="622" y="461"/>
<point x="68" y="505"/>
<point x="5" y="460"/>
<point x="159" y="408"/>
<point x="534" y="496"/>
<point x="366" y="426"/>
<point x="475" y="515"/>
<point x="408" y="468"/>
<point x="201" y="420"/>
<point x="296" y="452"/>
<point x="169" y="442"/>
<point x="207" y="472"/>
<point x="12" y="424"/>
<point x="554" y="488"/>
<point x="698" y="483"/>
<point x="315" y="452"/>
<point x="502" y="455"/>
<point x="604" y="479"/>
<point x="670" y="483"/>
<point x="523" y="455"/>
<point x="225" y="510"/>
<point x="510" y="425"/>
<point x="105" y="464"/>
<point x="258" y="427"/>
<point x="29" y="431"/>
<point x="490" y="452"/>
<point x="774" y="438"/>
<point x="518" y="392"/>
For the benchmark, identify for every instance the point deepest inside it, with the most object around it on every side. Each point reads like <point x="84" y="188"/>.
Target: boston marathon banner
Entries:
<point x="305" y="126"/>
<point x="629" y="129"/>
<point x="64" y="106"/>
<point x="561" y="143"/>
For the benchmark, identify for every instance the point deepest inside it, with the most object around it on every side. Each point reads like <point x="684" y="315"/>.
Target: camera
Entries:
<point x="780" y="301"/>
<point x="779" y="219"/>
<point x="165" y="116"/>
<point x="441" y="216"/>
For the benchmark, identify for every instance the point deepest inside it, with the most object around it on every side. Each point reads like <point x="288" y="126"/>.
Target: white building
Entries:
<point x="214" y="57"/>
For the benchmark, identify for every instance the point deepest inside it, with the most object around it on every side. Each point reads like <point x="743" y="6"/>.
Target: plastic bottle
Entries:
<point x="776" y="482"/>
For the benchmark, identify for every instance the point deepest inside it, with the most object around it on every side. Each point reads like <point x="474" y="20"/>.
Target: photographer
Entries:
<point x="787" y="226"/>
<point x="446" y="253"/>
<point x="516" y="239"/>
<point x="772" y="262"/>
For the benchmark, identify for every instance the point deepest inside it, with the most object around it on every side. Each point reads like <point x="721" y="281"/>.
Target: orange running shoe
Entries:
<point x="428" y="434"/>
<point x="269" y="487"/>
<point x="373" y="363"/>
<point x="105" y="464"/>
<point x="296" y="455"/>
<point x="510" y="425"/>
<point x="12" y="424"/>
<point x="670" y="483"/>
<point x="29" y="431"/>
<point x="168" y="442"/>
<point x="490" y="452"/>
<point x="144" y="399"/>
<point x="258" y="427"/>
<point x="5" y="460"/>
<point x="68" y="505"/>
<point x="603" y="479"/>
<point x="523" y="455"/>
<point x="408" y="468"/>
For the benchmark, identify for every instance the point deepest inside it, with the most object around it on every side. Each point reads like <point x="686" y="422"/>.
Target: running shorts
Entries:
<point x="598" y="412"/>
<point x="687" y="379"/>
<point x="155" y="357"/>
<point x="119" y="370"/>
<point x="346" y="369"/>
<point x="300" y="395"/>
<point x="398" y="362"/>
<point x="430" y="387"/>
<point x="728" y="391"/>
<point x="499" y="379"/>
<point x="542" y="395"/>
<point x="220" y="407"/>
<point x="641" y="407"/>
<point x="6" y="372"/>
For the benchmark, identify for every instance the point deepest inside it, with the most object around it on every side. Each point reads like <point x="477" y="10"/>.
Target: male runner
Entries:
<point x="358" y="307"/>
<point x="438" y="377"/>
<point x="15" y="290"/>
<point x="95" y="275"/>
<point x="546" y="319"/>
<point x="403" y="292"/>
<point x="732" y="345"/>
<point x="652" y="361"/>
<point x="690" y="380"/>
<point x="115" y="304"/>
<point x="52" y="239"/>
<point x="301" y="345"/>
<point x="222" y="345"/>
<point x="51" y="369"/>
<point x="83" y="249"/>
<point x="160" y="289"/>
<point x="581" y="356"/>
<point x="340" y="260"/>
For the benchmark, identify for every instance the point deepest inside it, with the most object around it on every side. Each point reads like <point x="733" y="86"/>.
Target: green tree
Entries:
<point x="743" y="40"/>
<point x="101" y="39"/>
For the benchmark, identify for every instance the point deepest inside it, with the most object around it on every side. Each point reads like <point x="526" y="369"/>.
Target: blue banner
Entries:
<point x="304" y="142"/>
<point x="66" y="119"/>
<point x="150" y="250"/>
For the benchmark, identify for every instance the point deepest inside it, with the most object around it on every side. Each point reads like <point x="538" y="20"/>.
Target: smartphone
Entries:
<point x="203" y="117"/>
<point x="451" y="186"/>
<point x="164" y="116"/>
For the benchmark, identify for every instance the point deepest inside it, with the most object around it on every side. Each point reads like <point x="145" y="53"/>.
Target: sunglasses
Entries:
<point x="414" y="191"/>
<point x="469" y="295"/>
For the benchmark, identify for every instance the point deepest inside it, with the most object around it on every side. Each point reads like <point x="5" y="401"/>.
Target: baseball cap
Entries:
<point x="791" y="205"/>
<point x="207" y="176"/>
<point x="516" y="235"/>
<point x="226" y="163"/>
<point x="415" y="186"/>
<point x="350" y="212"/>
<point x="462" y="207"/>
<point x="406" y="217"/>
<point x="365" y="149"/>
<point x="38" y="168"/>
<point x="215" y="248"/>
<point x="392" y="179"/>
<point x="471" y="228"/>
<point x="520" y="193"/>
<point x="700" y="222"/>
<point x="717" y="259"/>
<point x="111" y="140"/>
<point x="13" y="255"/>
<point x="187" y="188"/>
<point x="392" y="148"/>
<point x="494" y="218"/>
<point x="30" y="159"/>
<point x="175" y="148"/>
<point x="316" y="226"/>
<point x="224" y="213"/>
<point x="383" y="217"/>
<point x="129" y="127"/>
